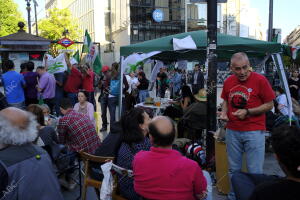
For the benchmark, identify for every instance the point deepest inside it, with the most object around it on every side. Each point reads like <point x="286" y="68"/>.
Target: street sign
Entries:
<point x="65" y="42"/>
<point x="158" y="15"/>
<point x="205" y="1"/>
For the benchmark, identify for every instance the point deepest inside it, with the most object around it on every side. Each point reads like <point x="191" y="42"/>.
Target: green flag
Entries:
<point x="97" y="65"/>
<point x="87" y="43"/>
<point x="76" y="56"/>
<point x="92" y="54"/>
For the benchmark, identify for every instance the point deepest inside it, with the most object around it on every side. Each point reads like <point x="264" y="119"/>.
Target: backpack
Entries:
<point x="115" y="87"/>
<point x="97" y="79"/>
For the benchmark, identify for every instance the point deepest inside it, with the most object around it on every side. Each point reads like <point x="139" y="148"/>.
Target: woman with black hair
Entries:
<point x="176" y="110"/>
<point x="142" y="86"/>
<point x="134" y="139"/>
<point x="294" y="84"/>
<point x="83" y="106"/>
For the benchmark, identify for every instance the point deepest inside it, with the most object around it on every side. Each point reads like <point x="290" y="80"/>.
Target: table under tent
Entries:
<point x="162" y="49"/>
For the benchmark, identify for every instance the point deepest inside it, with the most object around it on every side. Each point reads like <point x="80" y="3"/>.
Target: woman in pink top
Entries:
<point x="83" y="106"/>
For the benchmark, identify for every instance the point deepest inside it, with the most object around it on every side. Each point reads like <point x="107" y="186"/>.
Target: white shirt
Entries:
<point x="195" y="78"/>
<point x="282" y="104"/>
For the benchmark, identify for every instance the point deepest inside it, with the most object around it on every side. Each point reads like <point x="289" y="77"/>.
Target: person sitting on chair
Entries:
<point x="134" y="139"/>
<point x="163" y="173"/>
<point x="30" y="171"/>
<point x="179" y="106"/>
<point x="194" y="117"/>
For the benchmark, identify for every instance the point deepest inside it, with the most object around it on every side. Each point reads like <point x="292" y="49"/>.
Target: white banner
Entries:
<point x="159" y="64"/>
<point x="130" y="62"/>
<point x="56" y="65"/>
<point x="280" y="69"/>
<point x="185" y="43"/>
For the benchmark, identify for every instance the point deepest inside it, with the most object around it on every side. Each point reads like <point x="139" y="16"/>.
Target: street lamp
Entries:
<point x="28" y="8"/>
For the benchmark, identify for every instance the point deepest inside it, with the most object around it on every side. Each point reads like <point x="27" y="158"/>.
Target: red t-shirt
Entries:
<point x="73" y="81"/>
<point x="251" y="93"/>
<point x="88" y="81"/>
<point x="165" y="174"/>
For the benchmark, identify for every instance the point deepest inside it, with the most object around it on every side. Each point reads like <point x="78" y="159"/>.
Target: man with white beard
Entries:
<point x="30" y="172"/>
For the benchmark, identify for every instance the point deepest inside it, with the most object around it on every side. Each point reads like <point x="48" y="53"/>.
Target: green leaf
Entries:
<point x="9" y="17"/>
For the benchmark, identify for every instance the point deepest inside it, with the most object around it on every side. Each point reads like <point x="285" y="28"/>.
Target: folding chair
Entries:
<point x="88" y="180"/>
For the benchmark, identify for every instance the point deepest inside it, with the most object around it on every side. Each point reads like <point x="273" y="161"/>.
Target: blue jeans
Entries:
<point x="58" y="96"/>
<point x="250" y="142"/>
<point x="104" y="104"/>
<point x="209" y="185"/>
<point x="20" y="105"/>
<point x="112" y="106"/>
<point x="73" y="98"/>
<point x="143" y="94"/>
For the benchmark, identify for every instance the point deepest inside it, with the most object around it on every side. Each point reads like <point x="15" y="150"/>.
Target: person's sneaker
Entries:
<point x="104" y="128"/>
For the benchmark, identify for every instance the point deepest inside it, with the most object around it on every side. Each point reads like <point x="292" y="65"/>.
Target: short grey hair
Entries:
<point x="239" y="56"/>
<point x="13" y="135"/>
<point x="45" y="106"/>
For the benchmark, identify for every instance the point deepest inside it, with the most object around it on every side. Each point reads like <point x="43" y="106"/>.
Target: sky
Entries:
<point x="286" y="13"/>
<point x="40" y="9"/>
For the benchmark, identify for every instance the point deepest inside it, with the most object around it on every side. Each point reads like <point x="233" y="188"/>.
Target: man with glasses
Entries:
<point x="247" y="97"/>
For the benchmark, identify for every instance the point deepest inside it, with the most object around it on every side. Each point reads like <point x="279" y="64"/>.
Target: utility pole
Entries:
<point x="270" y="30"/>
<point x="185" y="16"/>
<point x="36" y="24"/>
<point x="28" y="12"/>
<point x="212" y="76"/>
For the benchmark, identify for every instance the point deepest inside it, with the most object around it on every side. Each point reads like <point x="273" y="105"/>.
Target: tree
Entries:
<point x="9" y="17"/>
<point x="53" y="27"/>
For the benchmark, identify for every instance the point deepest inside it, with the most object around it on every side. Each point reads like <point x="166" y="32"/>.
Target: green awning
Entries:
<point x="227" y="45"/>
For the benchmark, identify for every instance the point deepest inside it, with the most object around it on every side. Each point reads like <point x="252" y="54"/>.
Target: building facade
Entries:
<point x="239" y="19"/>
<point x="293" y="39"/>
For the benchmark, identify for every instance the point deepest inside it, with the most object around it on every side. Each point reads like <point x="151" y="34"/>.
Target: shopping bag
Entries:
<point x="107" y="182"/>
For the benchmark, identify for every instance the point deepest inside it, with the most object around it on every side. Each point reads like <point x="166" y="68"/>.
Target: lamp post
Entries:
<point x="270" y="30"/>
<point x="113" y="50"/>
<point x="35" y="14"/>
<point x="28" y="8"/>
<point x="212" y="75"/>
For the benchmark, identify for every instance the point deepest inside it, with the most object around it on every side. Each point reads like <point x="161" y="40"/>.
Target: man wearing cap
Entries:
<point x="247" y="97"/>
<point x="103" y="98"/>
<point x="74" y="80"/>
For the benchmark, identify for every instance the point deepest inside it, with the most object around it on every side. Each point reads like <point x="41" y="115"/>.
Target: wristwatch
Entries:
<point x="248" y="113"/>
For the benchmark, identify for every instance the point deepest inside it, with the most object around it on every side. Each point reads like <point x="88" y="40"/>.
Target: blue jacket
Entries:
<point x="31" y="174"/>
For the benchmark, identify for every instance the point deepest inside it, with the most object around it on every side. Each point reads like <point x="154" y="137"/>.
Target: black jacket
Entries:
<point x="200" y="79"/>
<point x="3" y="102"/>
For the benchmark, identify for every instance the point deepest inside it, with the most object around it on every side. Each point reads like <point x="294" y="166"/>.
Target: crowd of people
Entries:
<point x="41" y="111"/>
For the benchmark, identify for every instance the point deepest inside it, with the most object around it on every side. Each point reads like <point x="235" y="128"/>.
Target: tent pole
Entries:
<point x="121" y="87"/>
<point x="212" y="77"/>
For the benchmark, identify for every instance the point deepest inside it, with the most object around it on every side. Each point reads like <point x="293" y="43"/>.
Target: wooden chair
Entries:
<point x="88" y="181"/>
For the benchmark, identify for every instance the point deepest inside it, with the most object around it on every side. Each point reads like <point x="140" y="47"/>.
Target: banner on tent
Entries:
<point x="130" y="63"/>
<point x="280" y="68"/>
